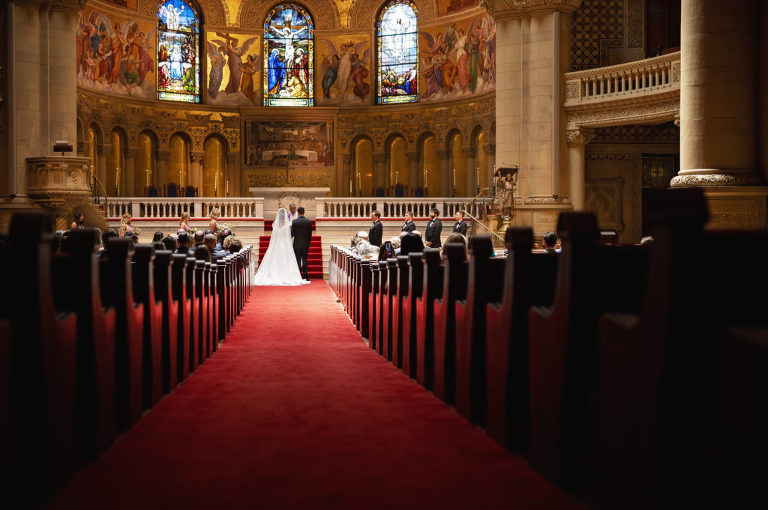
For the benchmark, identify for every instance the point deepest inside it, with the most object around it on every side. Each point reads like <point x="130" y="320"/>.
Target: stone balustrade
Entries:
<point x="391" y="207"/>
<point x="643" y="77"/>
<point x="172" y="207"/>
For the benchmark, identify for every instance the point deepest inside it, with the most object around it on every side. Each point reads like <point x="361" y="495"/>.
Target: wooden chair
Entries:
<point x="172" y="190"/>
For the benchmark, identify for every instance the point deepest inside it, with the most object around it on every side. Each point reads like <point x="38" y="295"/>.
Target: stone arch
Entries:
<point x="474" y="132"/>
<point x="363" y="13"/>
<point x="252" y="13"/>
<point x="362" y="173"/>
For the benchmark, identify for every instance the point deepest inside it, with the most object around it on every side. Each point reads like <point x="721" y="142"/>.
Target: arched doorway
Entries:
<point x="144" y="178"/>
<point x="214" y="165"/>
<point x="363" y="161"/>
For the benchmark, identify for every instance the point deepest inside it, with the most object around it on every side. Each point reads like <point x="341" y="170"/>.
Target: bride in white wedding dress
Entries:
<point x="279" y="267"/>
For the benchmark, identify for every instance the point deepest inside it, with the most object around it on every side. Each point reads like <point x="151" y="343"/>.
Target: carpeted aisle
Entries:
<point x="294" y="411"/>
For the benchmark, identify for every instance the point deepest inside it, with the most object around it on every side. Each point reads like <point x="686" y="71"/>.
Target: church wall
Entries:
<point x="4" y="159"/>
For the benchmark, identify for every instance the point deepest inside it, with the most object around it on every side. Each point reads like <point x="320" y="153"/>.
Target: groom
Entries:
<point x="301" y="231"/>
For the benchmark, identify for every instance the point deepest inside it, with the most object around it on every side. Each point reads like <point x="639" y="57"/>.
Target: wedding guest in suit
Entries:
<point x="301" y="231"/>
<point x="460" y="226"/>
<point x="409" y="226"/>
<point x="411" y="243"/>
<point x="376" y="232"/>
<point x="549" y="242"/>
<point x="434" y="229"/>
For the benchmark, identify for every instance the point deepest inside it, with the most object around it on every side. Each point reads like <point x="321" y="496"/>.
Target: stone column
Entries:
<point x="233" y="176"/>
<point x="347" y="177"/>
<point x="577" y="140"/>
<point x="101" y="164"/>
<point x="470" y="155"/>
<point x="129" y="176"/>
<point x="413" y="170"/>
<point x="445" y="178"/>
<point x="196" y="169"/>
<point x="490" y="152"/>
<point x="719" y="93"/>
<point x="380" y="177"/>
<point x="162" y="168"/>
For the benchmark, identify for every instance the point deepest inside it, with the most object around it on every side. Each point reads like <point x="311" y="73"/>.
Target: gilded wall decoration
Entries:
<point x="273" y="178"/>
<point x="288" y="144"/>
<point x="116" y="55"/>
<point x="214" y="11"/>
<point x="343" y="76"/>
<point x="458" y="60"/>
<point x="324" y="13"/>
<point x="639" y="133"/>
<point x="234" y="68"/>
<point x="451" y="6"/>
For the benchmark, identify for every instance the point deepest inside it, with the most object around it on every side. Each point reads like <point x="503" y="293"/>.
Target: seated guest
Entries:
<point x="646" y="241"/>
<point x="202" y="253"/>
<point x="411" y="243"/>
<point x="549" y="243"/>
<point x="366" y="249"/>
<point x="183" y="242"/>
<point x="170" y="242"/>
<point x="235" y="246"/>
<point x="199" y="240"/>
<point x="78" y="221"/>
<point x="396" y="244"/>
<point x="455" y="237"/>
<point x="108" y="234"/>
<point x="210" y="242"/>
<point x="126" y="229"/>
<point x="223" y="234"/>
<point x="227" y="241"/>
<point x="158" y="237"/>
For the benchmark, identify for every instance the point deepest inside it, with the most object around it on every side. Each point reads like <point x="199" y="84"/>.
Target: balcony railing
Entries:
<point x="198" y="207"/>
<point x="640" y="78"/>
<point x="391" y="207"/>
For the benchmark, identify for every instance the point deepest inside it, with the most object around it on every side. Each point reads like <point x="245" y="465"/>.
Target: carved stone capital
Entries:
<point x="579" y="136"/>
<point x="379" y="157"/>
<point x="196" y="157"/>
<point x="232" y="158"/>
<point x="444" y="154"/>
<point x="469" y="152"/>
<point x="710" y="177"/>
<point x="489" y="148"/>
<point x="69" y="6"/>
<point x="413" y="157"/>
<point x="346" y="159"/>
<point x="103" y="149"/>
<point x="163" y="155"/>
<point x="131" y="152"/>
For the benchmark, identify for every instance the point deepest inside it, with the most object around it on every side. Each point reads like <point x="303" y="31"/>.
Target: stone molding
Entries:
<point x="413" y="157"/>
<point x="443" y="154"/>
<point x="68" y="6"/>
<point x="54" y="180"/>
<point x="469" y="152"/>
<point x="709" y="177"/>
<point x="510" y="9"/>
<point x="196" y="157"/>
<point x="324" y="13"/>
<point x="363" y="13"/>
<point x="579" y="136"/>
<point x="379" y="157"/>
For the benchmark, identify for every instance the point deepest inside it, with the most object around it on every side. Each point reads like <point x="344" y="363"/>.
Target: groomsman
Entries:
<point x="377" y="230"/>
<point x="409" y="226"/>
<point x="434" y="228"/>
<point x="460" y="226"/>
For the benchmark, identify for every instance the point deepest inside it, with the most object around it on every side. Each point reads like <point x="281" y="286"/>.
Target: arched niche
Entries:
<point x="146" y="162"/>
<point x="177" y="169"/>
<point x="362" y="159"/>
<point x="214" y="167"/>
<point x="429" y="164"/>
<point x="397" y="163"/>
<point x="457" y="169"/>
<point x="116" y="172"/>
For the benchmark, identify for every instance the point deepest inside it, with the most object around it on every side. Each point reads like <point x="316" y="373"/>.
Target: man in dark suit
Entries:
<point x="301" y="231"/>
<point x="409" y="226"/>
<point x="377" y="230"/>
<point x="460" y="226"/>
<point x="434" y="229"/>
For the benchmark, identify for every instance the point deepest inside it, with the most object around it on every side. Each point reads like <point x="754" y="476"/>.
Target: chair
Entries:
<point x="152" y="191"/>
<point x="172" y="190"/>
<point x="378" y="192"/>
<point x="418" y="192"/>
<point x="190" y="191"/>
<point x="399" y="190"/>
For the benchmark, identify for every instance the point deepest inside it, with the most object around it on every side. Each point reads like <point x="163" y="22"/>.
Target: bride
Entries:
<point x="279" y="267"/>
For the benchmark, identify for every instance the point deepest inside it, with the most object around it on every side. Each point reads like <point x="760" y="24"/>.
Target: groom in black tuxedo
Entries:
<point x="301" y="231"/>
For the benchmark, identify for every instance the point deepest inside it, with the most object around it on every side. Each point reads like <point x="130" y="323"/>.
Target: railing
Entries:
<point x="480" y="223"/>
<point x="198" y="207"/>
<point x="391" y="207"/>
<point x="649" y="76"/>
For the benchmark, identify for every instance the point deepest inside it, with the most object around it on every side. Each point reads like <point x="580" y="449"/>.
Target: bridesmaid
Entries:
<point x="184" y="223"/>
<point x="215" y="215"/>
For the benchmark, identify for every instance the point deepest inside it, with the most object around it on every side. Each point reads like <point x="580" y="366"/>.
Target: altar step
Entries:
<point x="315" y="258"/>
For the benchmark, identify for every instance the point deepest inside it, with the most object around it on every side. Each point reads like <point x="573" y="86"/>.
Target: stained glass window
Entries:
<point x="178" y="52"/>
<point x="288" y="57"/>
<point x="398" y="41"/>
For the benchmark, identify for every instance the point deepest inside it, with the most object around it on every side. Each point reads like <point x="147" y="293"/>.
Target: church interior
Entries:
<point x="585" y="183"/>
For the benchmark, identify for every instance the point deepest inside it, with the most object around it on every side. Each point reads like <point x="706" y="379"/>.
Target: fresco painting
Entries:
<point x="343" y="72"/>
<point x="234" y="68"/>
<point x="288" y="144"/>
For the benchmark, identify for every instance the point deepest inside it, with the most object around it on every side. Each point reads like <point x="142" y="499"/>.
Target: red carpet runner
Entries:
<point x="294" y="411"/>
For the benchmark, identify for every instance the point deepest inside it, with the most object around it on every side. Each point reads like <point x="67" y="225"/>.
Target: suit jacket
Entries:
<point x="460" y="227"/>
<point x="301" y="231"/>
<point x="408" y="226"/>
<point x="376" y="233"/>
<point x="432" y="235"/>
<point x="411" y="244"/>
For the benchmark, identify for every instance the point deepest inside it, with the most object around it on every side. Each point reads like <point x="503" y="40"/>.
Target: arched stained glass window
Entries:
<point x="398" y="42"/>
<point x="178" y="52"/>
<point x="288" y="57"/>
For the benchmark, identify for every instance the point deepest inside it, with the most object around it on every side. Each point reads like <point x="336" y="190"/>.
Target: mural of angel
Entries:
<point x="216" y="75"/>
<point x="344" y="66"/>
<point x="234" y="51"/>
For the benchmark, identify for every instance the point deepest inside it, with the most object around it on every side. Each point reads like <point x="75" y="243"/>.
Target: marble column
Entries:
<point x="196" y="169"/>
<point x="232" y="179"/>
<point x="490" y="152"/>
<point x="470" y="155"/>
<point x="413" y="170"/>
<point x="445" y="178"/>
<point x="162" y="169"/>
<point x="128" y="177"/>
<point x="102" y="150"/>
<point x="380" y="174"/>
<point x="719" y="93"/>
<point x="577" y="140"/>
<point x="348" y="186"/>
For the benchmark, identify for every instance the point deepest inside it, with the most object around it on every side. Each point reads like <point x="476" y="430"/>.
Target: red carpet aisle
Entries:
<point x="294" y="411"/>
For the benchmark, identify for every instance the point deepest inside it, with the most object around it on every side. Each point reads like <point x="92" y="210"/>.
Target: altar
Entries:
<point x="274" y="198"/>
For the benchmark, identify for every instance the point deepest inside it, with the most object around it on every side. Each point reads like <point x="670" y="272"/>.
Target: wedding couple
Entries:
<point x="280" y="265"/>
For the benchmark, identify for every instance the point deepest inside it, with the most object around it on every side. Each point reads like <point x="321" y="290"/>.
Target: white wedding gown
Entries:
<point x="279" y="267"/>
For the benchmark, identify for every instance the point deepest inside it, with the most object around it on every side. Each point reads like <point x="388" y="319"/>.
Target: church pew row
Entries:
<point x="89" y="341"/>
<point x="600" y="411"/>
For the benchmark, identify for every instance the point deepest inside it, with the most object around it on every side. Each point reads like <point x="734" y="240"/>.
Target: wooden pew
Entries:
<point x="195" y="318"/>
<point x="415" y="286"/>
<point x="564" y="348"/>
<point x="42" y="366"/>
<point x="484" y="284"/>
<point x="164" y="293"/>
<point x="454" y="289"/>
<point x="365" y="297"/>
<point x="75" y="278"/>
<point x="152" y="345"/>
<point x="373" y="306"/>
<point x="185" y="329"/>
<point x="388" y="309"/>
<point x="432" y="288"/>
<point x="201" y="282"/>
<point x="529" y="280"/>
<point x="403" y="279"/>
<point x="213" y="327"/>
<point x="116" y="279"/>
<point x="381" y="314"/>
<point x="222" y="275"/>
<point x="5" y="405"/>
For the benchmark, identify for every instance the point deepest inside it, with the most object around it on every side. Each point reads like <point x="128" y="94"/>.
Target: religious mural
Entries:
<point x="178" y="52"/>
<point x="288" y="57"/>
<point x="459" y="60"/>
<point x="451" y="6"/>
<point x="397" y="29"/>
<point x="115" y="55"/>
<point x="343" y="71"/>
<point x="234" y="68"/>
<point x="288" y="144"/>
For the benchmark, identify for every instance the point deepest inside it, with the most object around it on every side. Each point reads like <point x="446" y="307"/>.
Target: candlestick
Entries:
<point x="147" y="170"/>
<point x="350" y="187"/>
<point x="181" y="184"/>
<point x="227" y="187"/>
